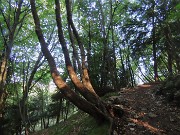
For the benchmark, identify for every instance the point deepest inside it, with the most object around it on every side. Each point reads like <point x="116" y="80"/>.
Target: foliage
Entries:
<point x="171" y="89"/>
<point x="118" y="39"/>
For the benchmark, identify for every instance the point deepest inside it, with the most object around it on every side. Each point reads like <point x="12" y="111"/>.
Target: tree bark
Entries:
<point x="156" y="77"/>
<point x="170" y="46"/>
<point x="62" y="86"/>
<point x="8" y="44"/>
<point x="104" y="71"/>
<point x="84" y="88"/>
<point x="85" y="75"/>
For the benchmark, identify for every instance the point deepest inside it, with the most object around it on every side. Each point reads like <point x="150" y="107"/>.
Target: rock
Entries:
<point x="132" y="129"/>
<point x="133" y="113"/>
<point x="177" y="128"/>
<point x="116" y="100"/>
<point x="120" y="93"/>
<point x="177" y="95"/>
<point x="136" y="116"/>
<point x="171" y="119"/>
<point x="115" y="133"/>
<point x="178" y="117"/>
<point x="131" y="124"/>
<point x="120" y="106"/>
<point x="144" y="109"/>
<point x="113" y="98"/>
<point x="152" y="115"/>
<point x="117" y="111"/>
<point x="122" y="89"/>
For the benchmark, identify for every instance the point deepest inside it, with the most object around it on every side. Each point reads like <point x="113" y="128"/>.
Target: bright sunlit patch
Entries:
<point x="52" y="87"/>
<point x="93" y="4"/>
<point x="132" y="1"/>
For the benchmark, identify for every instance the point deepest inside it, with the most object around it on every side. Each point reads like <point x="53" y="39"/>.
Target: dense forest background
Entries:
<point x="85" y="47"/>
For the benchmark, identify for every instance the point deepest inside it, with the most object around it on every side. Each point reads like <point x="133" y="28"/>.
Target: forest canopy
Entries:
<point x="60" y="56"/>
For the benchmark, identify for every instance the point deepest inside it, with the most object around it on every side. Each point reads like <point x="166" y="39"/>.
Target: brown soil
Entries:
<point x="147" y="113"/>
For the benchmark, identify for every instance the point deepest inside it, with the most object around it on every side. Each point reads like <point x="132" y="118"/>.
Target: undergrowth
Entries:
<point x="78" y="124"/>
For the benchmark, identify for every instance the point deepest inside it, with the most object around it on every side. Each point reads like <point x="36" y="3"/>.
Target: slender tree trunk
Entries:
<point x="89" y="45"/>
<point x="59" y="110"/>
<point x="27" y="82"/>
<point x="75" y="53"/>
<point x="91" y="103"/>
<point x="67" y="109"/>
<point x="3" y="94"/>
<point x="62" y="86"/>
<point x="123" y="83"/>
<point x="8" y="43"/>
<point x="169" y="53"/>
<point x="114" y="71"/>
<point x="3" y="75"/>
<point x="171" y="50"/>
<point x="86" y="88"/>
<point x="85" y="75"/>
<point x="156" y="78"/>
<point x="130" y="73"/>
<point x="104" y="71"/>
<point x="114" y="61"/>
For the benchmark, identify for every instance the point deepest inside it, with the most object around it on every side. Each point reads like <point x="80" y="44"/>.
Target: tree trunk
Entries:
<point x="62" y="86"/>
<point x="8" y="43"/>
<point x="169" y="53"/>
<point x="170" y="48"/>
<point x="156" y="78"/>
<point x="3" y="75"/>
<point x="86" y="88"/>
<point x="85" y="75"/>
<point x="75" y="53"/>
<point x="104" y="68"/>
<point x="59" y="110"/>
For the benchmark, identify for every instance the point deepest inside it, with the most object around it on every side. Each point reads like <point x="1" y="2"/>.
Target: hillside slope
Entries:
<point x="145" y="114"/>
<point x="78" y="124"/>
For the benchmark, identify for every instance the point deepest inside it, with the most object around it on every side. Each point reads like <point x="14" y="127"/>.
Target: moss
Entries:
<point x="110" y="95"/>
<point x="90" y="127"/>
<point x="78" y="124"/>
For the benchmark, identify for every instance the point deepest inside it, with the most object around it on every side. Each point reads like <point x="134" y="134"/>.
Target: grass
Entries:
<point x="78" y="124"/>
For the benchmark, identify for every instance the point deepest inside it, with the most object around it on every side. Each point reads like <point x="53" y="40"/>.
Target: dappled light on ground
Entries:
<point x="144" y="86"/>
<point x="147" y="113"/>
<point x="147" y="126"/>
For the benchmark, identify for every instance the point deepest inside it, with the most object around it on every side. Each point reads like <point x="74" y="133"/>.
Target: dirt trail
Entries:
<point x="148" y="114"/>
